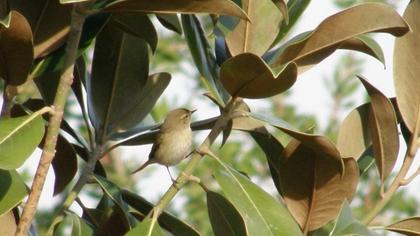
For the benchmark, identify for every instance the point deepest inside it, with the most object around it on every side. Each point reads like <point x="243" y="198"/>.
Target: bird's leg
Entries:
<point x="170" y="175"/>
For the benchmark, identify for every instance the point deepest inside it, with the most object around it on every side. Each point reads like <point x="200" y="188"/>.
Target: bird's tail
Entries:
<point x="148" y="162"/>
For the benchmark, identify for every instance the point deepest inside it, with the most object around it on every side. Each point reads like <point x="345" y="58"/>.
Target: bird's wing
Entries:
<point x="155" y="146"/>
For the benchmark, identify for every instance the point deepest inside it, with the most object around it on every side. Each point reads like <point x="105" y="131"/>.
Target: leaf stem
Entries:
<point x="63" y="89"/>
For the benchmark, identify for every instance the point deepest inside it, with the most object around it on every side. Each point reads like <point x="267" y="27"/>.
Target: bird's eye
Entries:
<point x="183" y="117"/>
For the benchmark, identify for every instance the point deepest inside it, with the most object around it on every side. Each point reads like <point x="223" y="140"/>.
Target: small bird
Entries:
<point x="173" y="142"/>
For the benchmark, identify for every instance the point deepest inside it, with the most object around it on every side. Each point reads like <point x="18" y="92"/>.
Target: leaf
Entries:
<point x="49" y="20"/>
<point x="8" y="224"/>
<point x="312" y="186"/>
<point x="364" y="43"/>
<point x="170" y="21"/>
<point x="80" y="227"/>
<point x="406" y="69"/>
<point x="224" y="217"/>
<point x="263" y="215"/>
<point x="347" y="225"/>
<point x="18" y="139"/>
<point x="256" y="35"/>
<point x="248" y="76"/>
<point x="222" y="7"/>
<point x="409" y="226"/>
<point x="16" y="50"/>
<point x="166" y="220"/>
<point x="144" y="229"/>
<point x="347" y="24"/>
<point x="203" y="56"/>
<point x="383" y="129"/>
<point x="12" y="190"/>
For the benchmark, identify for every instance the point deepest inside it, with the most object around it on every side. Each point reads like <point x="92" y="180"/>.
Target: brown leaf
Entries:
<point x="383" y="129"/>
<point x="248" y="76"/>
<point x="327" y="37"/>
<point x="257" y="35"/>
<point x="410" y="226"/>
<point x="16" y="50"/>
<point x="312" y="187"/>
<point x="222" y="7"/>
<point x="407" y="67"/>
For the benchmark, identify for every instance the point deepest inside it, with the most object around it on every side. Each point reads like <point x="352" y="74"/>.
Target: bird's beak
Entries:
<point x="193" y="111"/>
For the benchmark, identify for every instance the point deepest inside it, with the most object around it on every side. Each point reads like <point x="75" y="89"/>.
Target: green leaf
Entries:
<point x="146" y="228"/>
<point x="263" y="214"/>
<point x="80" y="227"/>
<point x="366" y="160"/>
<point x="257" y="35"/>
<point x="170" y="21"/>
<point x="16" y="50"/>
<point x="224" y="217"/>
<point x="407" y="69"/>
<point x="409" y="226"/>
<point x="347" y="225"/>
<point x="203" y="56"/>
<point x="222" y="7"/>
<point x="71" y="1"/>
<point x="12" y="190"/>
<point x="248" y="76"/>
<point x="18" y="139"/>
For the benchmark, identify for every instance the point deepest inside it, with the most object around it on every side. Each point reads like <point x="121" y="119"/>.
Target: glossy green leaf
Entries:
<point x="16" y="50"/>
<point x="71" y="1"/>
<point x="257" y="35"/>
<point x="222" y="7"/>
<point x="347" y="225"/>
<point x="49" y="20"/>
<point x="312" y="186"/>
<point x="352" y="22"/>
<point x="224" y="217"/>
<point x="383" y="129"/>
<point x="170" y="21"/>
<point x="407" y="69"/>
<point x="248" y="76"/>
<point x="12" y="190"/>
<point x="80" y="227"/>
<point x="146" y="228"/>
<point x="203" y="56"/>
<point x="366" y="160"/>
<point x="264" y="215"/>
<point x="18" y="139"/>
<point x="8" y="224"/>
<point x="409" y="226"/>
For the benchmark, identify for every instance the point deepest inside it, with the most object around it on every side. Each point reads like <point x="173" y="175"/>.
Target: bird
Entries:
<point x="173" y="142"/>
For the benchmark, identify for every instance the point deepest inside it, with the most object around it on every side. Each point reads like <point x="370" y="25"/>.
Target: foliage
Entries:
<point x="247" y="55"/>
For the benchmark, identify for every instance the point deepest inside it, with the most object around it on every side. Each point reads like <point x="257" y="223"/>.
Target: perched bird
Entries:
<point x="173" y="142"/>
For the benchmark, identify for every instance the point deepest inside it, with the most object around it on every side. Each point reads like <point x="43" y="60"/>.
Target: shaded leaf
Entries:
<point x="383" y="129"/>
<point x="170" y="21"/>
<point x="224" y="217"/>
<point x="49" y="20"/>
<point x="223" y="7"/>
<point x="247" y="75"/>
<point x="80" y="227"/>
<point x="257" y="35"/>
<point x="263" y="214"/>
<point x="16" y="49"/>
<point x="146" y="228"/>
<point x="347" y="225"/>
<point x="18" y="139"/>
<point x="83" y="152"/>
<point x="365" y="44"/>
<point x="360" y="19"/>
<point x="366" y="160"/>
<point x="409" y="226"/>
<point x="312" y="186"/>
<point x="8" y="224"/>
<point x="406" y="69"/>
<point x="166" y="220"/>
<point x="12" y="190"/>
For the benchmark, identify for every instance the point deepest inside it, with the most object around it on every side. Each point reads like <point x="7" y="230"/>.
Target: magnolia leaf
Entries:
<point x="80" y="227"/>
<point x="16" y="50"/>
<point x="71" y="1"/>
<point x="264" y="214"/>
<point x="313" y="188"/>
<point x="18" y="139"/>
<point x="248" y="76"/>
<point x="224" y="217"/>
<point x="49" y="20"/>
<point x="407" y="69"/>
<point x="12" y="191"/>
<point x="8" y="224"/>
<point x="365" y="44"/>
<point x="383" y="129"/>
<point x="352" y="22"/>
<point x="409" y="226"/>
<point x="222" y="7"/>
<point x="170" y="21"/>
<point x="146" y="228"/>
<point x="257" y="35"/>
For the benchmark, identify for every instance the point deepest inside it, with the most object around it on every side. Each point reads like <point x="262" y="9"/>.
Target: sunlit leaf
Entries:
<point x="18" y="139"/>
<point x="248" y="76"/>
<point x="263" y="214"/>
<point x="312" y="186"/>
<point x="146" y="228"/>
<point x="383" y="129"/>
<point x="12" y="190"/>
<point x="16" y="49"/>
<point x="407" y="69"/>
<point x="365" y="44"/>
<point x="409" y="226"/>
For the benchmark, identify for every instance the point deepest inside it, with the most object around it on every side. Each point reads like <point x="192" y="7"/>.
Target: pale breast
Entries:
<point x="178" y="146"/>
